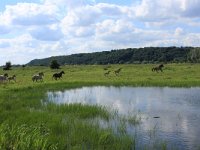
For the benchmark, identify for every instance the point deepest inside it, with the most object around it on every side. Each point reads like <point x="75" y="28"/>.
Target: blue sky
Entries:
<point x="32" y="29"/>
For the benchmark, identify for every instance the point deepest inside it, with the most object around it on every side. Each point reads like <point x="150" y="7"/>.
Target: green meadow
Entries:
<point x="28" y="123"/>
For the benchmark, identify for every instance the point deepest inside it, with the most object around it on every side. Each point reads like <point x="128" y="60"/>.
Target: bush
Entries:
<point x="54" y="64"/>
<point x="7" y="66"/>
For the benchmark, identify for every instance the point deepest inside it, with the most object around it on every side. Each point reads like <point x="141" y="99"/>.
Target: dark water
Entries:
<point x="171" y="115"/>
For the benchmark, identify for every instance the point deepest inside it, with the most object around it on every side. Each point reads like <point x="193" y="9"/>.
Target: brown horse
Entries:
<point x="158" y="68"/>
<point x="58" y="75"/>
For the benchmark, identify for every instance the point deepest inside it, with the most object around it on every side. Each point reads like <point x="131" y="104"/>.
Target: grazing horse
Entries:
<point x="158" y="68"/>
<point x="107" y="73"/>
<point x="12" y="78"/>
<point x="117" y="71"/>
<point x="3" y="78"/>
<point x="38" y="76"/>
<point x="58" y="75"/>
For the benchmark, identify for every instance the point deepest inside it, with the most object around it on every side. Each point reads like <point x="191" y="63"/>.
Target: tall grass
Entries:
<point x="24" y="137"/>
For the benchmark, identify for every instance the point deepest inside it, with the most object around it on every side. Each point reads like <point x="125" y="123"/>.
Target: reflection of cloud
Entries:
<point x="178" y="120"/>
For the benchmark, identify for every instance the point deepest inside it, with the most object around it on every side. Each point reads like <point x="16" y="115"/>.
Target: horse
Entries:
<point x="117" y="71"/>
<point x="41" y="74"/>
<point x="38" y="76"/>
<point x="3" y="78"/>
<point x="12" y="78"/>
<point x="158" y="68"/>
<point x="58" y="75"/>
<point x="107" y="73"/>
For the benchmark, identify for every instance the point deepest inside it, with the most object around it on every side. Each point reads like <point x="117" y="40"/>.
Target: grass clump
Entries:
<point x="23" y="137"/>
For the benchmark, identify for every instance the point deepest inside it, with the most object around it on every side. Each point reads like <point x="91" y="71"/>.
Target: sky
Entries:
<point x="31" y="29"/>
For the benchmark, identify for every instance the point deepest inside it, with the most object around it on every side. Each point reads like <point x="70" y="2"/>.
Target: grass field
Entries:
<point x="25" y="123"/>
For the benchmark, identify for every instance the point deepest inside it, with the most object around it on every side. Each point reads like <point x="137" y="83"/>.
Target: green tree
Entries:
<point x="54" y="64"/>
<point x="194" y="55"/>
<point x="7" y="66"/>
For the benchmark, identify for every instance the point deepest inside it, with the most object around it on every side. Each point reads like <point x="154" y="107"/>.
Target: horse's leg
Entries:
<point x="157" y="70"/>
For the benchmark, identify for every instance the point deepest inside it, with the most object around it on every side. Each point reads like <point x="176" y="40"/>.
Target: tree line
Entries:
<point x="126" y="56"/>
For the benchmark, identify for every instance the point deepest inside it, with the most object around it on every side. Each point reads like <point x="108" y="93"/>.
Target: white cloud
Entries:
<point x="190" y="8"/>
<point x="30" y="14"/>
<point x="179" y="31"/>
<point x="24" y="48"/>
<point x="154" y="10"/>
<point x="55" y="27"/>
<point x="70" y="4"/>
<point x="4" y="44"/>
<point x="46" y="34"/>
<point x="4" y="29"/>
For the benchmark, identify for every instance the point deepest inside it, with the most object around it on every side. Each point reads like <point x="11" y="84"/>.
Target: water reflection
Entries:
<point x="177" y="110"/>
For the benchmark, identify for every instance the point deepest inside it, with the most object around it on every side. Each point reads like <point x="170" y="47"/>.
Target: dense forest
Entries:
<point x="126" y="56"/>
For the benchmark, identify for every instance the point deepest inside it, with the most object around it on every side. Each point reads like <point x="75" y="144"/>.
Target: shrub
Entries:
<point x="54" y="64"/>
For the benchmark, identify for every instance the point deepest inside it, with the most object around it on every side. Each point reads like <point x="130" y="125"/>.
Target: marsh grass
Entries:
<point x="22" y="111"/>
<point x="67" y="124"/>
<point x="24" y="137"/>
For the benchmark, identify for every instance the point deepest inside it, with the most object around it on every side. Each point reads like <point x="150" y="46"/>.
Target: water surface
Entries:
<point x="171" y="115"/>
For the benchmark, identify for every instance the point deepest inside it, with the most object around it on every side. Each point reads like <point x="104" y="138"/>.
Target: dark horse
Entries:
<point x="158" y="68"/>
<point x="58" y="75"/>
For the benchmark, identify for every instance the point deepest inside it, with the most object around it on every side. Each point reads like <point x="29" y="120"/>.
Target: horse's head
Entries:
<point x="41" y="74"/>
<point x="62" y="72"/>
<point x="161" y="65"/>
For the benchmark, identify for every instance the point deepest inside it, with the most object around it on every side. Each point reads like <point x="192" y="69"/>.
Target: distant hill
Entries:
<point x="123" y="56"/>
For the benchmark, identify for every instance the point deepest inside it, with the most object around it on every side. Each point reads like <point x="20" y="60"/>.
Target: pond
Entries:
<point x="167" y="114"/>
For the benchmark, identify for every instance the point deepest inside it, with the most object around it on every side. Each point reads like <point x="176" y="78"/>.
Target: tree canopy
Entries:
<point x="126" y="56"/>
<point x="54" y="64"/>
